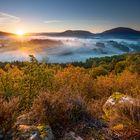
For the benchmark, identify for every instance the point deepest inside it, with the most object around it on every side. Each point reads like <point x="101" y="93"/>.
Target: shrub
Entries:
<point x="9" y="110"/>
<point x="10" y="79"/>
<point x="95" y="107"/>
<point x="126" y="82"/>
<point x="61" y="111"/>
<point x="126" y="120"/>
<point x="74" y="80"/>
<point x="36" y="78"/>
<point x="104" y="86"/>
<point x="120" y="66"/>
<point x="98" y="71"/>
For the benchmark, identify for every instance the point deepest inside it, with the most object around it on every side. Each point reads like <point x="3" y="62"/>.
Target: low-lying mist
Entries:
<point x="63" y="49"/>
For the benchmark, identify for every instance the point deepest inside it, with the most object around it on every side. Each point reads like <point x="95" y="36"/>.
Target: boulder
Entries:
<point x="26" y="132"/>
<point x="24" y="128"/>
<point x="45" y="132"/>
<point x="122" y="114"/>
<point x="114" y="101"/>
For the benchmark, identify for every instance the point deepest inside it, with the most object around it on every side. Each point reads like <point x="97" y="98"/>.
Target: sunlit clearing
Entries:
<point x="20" y="33"/>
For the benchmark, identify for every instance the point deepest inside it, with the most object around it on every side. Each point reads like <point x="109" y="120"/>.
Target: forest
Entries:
<point x="73" y="99"/>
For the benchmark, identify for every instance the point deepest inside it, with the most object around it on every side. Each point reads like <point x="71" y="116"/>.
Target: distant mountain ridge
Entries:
<point x="75" y="33"/>
<point x="69" y="33"/>
<point x="115" y="32"/>
<point x="5" y="33"/>
<point x="120" y="31"/>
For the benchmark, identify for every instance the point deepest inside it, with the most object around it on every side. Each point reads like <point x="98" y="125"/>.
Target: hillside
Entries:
<point x="120" y="32"/>
<point x="68" y="33"/>
<point x="5" y="33"/>
<point x="74" y="33"/>
<point x="96" y="99"/>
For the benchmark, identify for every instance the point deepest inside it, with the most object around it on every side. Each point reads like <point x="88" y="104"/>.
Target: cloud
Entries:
<point x="8" y="19"/>
<point x="52" y="21"/>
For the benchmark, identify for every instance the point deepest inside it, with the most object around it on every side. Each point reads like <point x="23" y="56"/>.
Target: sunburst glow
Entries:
<point x="20" y="33"/>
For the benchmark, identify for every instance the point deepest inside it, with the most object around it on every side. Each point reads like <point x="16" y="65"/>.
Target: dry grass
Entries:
<point x="8" y="112"/>
<point x="128" y="117"/>
<point x="63" y="111"/>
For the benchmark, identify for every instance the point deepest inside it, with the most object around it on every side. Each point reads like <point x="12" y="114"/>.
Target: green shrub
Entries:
<point x="98" y="71"/>
<point x="120" y="67"/>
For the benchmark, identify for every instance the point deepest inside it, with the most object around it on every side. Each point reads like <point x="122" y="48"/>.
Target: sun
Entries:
<point x="20" y="32"/>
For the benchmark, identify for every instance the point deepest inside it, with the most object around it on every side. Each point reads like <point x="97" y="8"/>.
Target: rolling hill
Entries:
<point x="5" y="33"/>
<point x="120" y="32"/>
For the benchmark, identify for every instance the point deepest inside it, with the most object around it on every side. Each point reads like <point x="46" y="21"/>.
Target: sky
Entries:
<point x="60" y="15"/>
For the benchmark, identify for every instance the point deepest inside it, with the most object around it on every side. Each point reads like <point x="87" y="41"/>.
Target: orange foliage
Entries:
<point x="74" y="80"/>
<point x="126" y="82"/>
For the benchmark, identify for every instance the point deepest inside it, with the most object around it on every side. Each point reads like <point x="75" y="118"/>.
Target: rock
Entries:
<point x="35" y="136"/>
<point x="115" y="100"/>
<point x="45" y="132"/>
<point x="24" y="128"/>
<point x="72" y="136"/>
<point x="34" y="132"/>
<point x="122" y="114"/>
<point x="26" y="132"/>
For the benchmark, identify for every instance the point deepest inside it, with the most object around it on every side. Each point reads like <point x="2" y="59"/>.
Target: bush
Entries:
<point x="98" y="71"/>
<point x="104" y="86"/>
<point x="129" y="83"/>
<point x="74" y="80"/>
<point x="120" y="67"/>
<point x="10" y="79"/>
<point x="9" y="110"/>
<point x="61" y="111"/>
<point x="37" y="77"/>
<point x="126" y="121"/>
<point x="126" y="82"/>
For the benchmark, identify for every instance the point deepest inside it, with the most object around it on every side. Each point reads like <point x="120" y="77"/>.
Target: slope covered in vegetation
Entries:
<point x="71" y="97"/>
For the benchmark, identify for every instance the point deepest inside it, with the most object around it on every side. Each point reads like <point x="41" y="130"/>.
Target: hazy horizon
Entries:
<point x="71" y="30"/>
